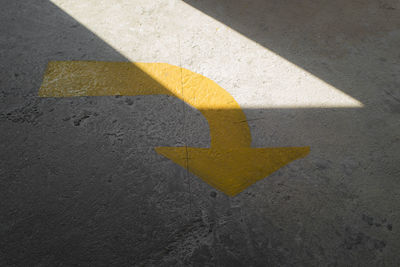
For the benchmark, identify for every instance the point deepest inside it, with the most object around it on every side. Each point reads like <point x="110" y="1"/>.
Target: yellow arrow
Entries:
<point x="230" y="164"/>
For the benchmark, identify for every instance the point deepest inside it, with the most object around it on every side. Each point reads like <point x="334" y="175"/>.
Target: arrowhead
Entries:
<point x="232" y="170"/>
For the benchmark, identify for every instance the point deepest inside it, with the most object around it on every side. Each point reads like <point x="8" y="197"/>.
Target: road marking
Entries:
<point x="230" y="164"/>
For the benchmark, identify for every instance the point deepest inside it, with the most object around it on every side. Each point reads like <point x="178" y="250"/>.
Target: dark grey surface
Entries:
<point x="82" y="186"/>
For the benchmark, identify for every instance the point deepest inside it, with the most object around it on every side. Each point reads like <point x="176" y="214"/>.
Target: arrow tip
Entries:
<point x="232" y="170"/>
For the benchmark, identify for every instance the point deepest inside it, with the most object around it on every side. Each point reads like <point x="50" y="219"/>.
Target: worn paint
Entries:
<point x="230" y="164"/>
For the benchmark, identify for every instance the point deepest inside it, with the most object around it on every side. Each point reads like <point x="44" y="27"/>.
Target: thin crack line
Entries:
<point x="390" y="94"/>
<point x="184" y="127"/>
<point x="255" y="119"/>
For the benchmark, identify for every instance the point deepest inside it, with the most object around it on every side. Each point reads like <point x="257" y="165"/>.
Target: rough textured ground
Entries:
<point x="80" y="182"/>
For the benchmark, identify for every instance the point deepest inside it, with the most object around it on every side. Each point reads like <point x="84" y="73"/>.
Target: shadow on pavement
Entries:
<point x="82" y="185"/>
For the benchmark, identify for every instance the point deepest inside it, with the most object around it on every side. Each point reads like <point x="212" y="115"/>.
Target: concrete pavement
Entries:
<point x="81" y="183"/>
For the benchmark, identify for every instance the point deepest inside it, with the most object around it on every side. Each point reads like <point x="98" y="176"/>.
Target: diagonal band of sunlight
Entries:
<point x="114" y="26"/>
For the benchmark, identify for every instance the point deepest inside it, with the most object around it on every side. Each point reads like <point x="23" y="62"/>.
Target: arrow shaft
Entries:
<point x="227" y="122"/>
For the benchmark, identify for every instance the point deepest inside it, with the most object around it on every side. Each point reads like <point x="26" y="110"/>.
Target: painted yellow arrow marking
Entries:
<point x="230" y="164"/>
